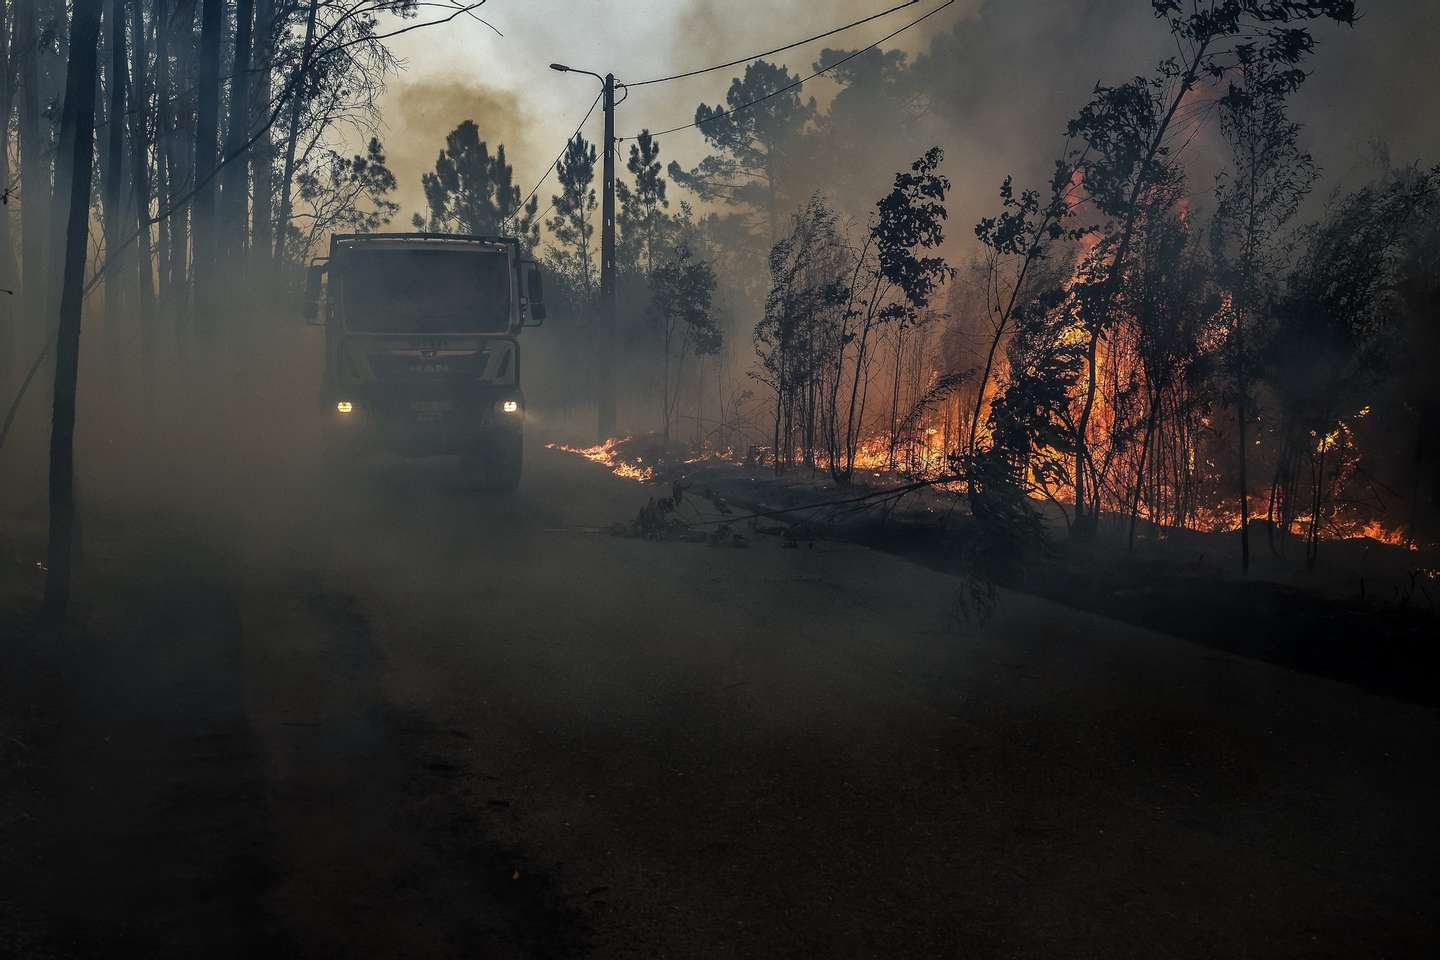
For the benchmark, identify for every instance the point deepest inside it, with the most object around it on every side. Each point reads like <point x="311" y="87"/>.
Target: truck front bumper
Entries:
<point x="423" y="425"/>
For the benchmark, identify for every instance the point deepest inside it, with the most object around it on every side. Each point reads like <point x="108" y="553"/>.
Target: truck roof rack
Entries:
<point x="422" y="235"/>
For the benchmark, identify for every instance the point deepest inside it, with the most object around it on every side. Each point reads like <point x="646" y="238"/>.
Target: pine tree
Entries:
<point x="642" y="217"/>
<point x="574" y="208"/>
<point x="473" y="191"/>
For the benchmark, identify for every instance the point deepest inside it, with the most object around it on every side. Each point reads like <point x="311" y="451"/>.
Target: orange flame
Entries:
<point x="608" y="454"/>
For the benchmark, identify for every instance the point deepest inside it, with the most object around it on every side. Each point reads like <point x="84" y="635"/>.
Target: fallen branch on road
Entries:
<point x="659" y="519"/>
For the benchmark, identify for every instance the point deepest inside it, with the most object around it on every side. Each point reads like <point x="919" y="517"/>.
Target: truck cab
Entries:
<point x="422" y="349"/>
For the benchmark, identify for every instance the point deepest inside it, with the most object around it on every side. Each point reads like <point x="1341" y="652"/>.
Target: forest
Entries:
<point x="1180" y="327"/>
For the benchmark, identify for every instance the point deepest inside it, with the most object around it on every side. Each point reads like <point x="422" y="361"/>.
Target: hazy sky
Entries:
<point x="1005" y="76"/>
<point x="464" y="71"/>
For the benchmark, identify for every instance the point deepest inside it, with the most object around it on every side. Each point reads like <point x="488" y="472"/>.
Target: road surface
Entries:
<point x="382" y="715"/>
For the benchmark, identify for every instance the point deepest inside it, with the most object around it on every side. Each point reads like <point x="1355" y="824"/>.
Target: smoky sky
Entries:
<point x="999" y="79"/>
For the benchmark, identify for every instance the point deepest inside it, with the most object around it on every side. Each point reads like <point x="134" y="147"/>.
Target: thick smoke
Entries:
<point x="419" y="114"/>
<point x="993" y="82"/>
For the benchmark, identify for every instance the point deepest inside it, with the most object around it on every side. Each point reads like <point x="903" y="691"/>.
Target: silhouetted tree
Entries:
<point x="877" y="92"/>
<point x="642" y="218"/>
<point x="755" y="146"/>
<point x="303" y="85"/>
<point x="8" y="264"/>
<point x="35" y="178"/>
<point x="474" y="191"/>
<point x="74" y="171"/>
<point x="574" y="209"/>
<point x="1130" y="165"/>
<point x="894" y="277"/>
<point x="262" y="154"/>
<point x="234" y="186"/>
<point x="681" y="289"/>
<point x="140" y="182"/>
<point x="348" y="194"/>
<point x="207" y="132"/>
<point x="1335" y="316"/>
<point x="1172" y="311"/>
<point x="1269" y="175"/>
<point x="809" y="270"/>
<point x="1018" y="239"/>
<point x="111" y="175"/>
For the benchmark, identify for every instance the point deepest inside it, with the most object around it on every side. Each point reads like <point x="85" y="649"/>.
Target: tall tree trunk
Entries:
<point x="700" y="408"/>
<point x="177" y="112"/>
<point x="1085" y="525"/>
<point x="1242" y="388"/>
<point x="895" y="396"/>
<point x="74" y="171"/>
<point x="234" y="209"/>
<point x="163" y="145"/>
<point x="141" y="176"/>
<point x="1151" y="422"/>
<point x="262" y="155"/>
<point x="8" y="267"/>
<point x="297" y="103"/>
<point x="35" y="182"/>
<point x="207" y="119"/>
<point x="113" y="177"/>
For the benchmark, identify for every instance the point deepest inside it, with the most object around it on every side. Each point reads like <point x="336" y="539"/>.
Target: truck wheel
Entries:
<point x="497" y="464"/>
<point x="337" y="453"/>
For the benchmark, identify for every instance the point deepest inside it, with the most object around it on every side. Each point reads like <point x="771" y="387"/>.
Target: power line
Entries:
<point x="788" y="46"/>
<point x="801" y="82"/>
<point x="556" y="162"/>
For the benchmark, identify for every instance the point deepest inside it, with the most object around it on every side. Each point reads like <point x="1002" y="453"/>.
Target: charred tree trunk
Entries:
<point x="9" y="333"/>
<point x="1151" y="422"/>
<point x="77" y="140"/>
<point x="113" y="175"/>
<point x="163" y="132"/>
<point x="34" y="182"/>
<point x="1243" y="480"/>
<point x="140" y="175"/>
<point x="262" y="155"/>
<point x="234" y="211"/>
<point x="292" y="138"/>
<point x="179" y="162"/>
<point x="207" y="119"/>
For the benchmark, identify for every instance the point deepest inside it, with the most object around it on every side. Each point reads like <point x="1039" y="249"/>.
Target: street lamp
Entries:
<point x="605" y="401"/>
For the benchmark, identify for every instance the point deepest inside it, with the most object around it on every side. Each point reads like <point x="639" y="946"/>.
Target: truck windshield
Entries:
<point x="425" y="291"/>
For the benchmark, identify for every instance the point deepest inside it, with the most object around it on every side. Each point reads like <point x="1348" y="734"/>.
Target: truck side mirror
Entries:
<point x="534" y="295"/>
<point x="311" y="309"/>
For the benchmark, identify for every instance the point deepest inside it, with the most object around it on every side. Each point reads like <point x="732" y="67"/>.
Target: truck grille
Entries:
<point x="398" y="368"/>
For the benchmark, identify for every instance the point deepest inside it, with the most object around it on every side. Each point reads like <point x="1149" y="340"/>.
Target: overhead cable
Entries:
<point x="791" y="86"/>
<point x="556" y="162"/>
<point x="788" y="46"/>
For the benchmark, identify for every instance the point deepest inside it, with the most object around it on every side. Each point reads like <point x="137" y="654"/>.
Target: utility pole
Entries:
<point x="606" y="401"/>
<point x="605" y="327"/>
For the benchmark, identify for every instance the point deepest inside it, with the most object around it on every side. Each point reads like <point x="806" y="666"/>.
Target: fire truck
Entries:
<point x="422" y="349"/>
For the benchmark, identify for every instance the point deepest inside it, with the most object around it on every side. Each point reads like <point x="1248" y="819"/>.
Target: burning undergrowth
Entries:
<point x="649" y="458"/>
<point x="617" y="453"/>
<point x="739" y="501"/>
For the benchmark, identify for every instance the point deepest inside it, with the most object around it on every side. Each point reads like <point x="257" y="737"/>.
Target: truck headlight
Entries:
<point x="511" y="406"/>
<point x="344" y="406"/>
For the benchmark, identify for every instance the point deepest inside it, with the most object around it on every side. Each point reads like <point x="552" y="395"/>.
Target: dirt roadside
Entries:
<point x="1367" y="615"/>
<point x="204" y="766"/>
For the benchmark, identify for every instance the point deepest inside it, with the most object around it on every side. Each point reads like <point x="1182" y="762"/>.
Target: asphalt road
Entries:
<point x="383" y="715"/>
